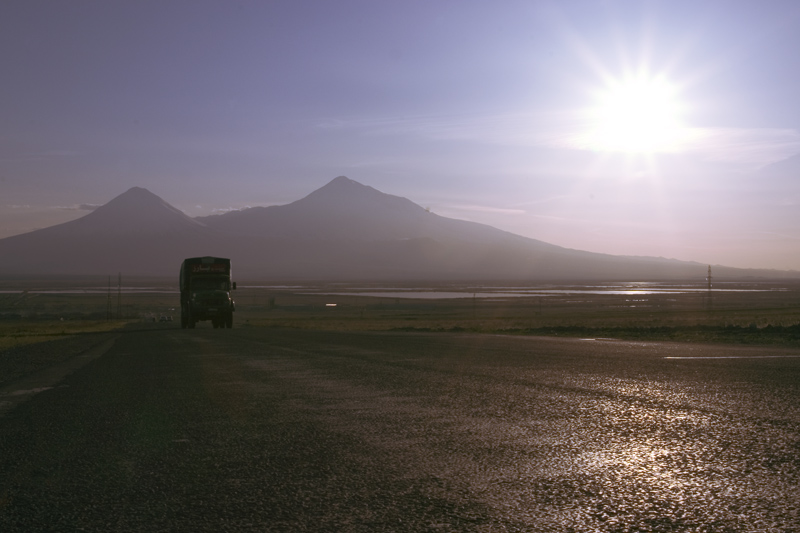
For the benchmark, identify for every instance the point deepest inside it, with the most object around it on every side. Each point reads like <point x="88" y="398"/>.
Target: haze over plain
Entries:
<point x="655" y="128"/>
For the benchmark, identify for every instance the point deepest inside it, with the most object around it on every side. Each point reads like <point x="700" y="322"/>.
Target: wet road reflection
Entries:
<point x="252" y="429"/>
<point x="557" y="437"/>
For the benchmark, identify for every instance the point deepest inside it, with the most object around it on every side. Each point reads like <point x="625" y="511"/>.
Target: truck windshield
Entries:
<point x="211" y="284"/>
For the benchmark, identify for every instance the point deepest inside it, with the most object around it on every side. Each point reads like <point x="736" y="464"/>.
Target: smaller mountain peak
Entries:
<point x="134" y="199"/>
<point x="135" y="195"/>
<point x="137" y="191"/>
<point x="341" y="187"/>
<point x="140" y="209"/>
<point x="342" y="182"/>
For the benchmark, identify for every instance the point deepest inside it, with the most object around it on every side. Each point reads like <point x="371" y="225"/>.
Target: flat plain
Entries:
<point x="390" y="414"/>
<point x="759" y="312"/>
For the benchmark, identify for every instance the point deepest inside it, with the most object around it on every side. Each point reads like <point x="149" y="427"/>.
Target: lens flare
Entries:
<point x="637" y="115"/>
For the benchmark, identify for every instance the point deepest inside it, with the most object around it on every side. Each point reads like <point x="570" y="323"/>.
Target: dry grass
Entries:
<point x="767" y="312"/>
<point x="19" y="333"/>
<point x="765" y="316"/>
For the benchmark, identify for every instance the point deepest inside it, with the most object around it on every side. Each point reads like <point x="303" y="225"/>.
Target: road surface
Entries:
<point x="263" y="430"/>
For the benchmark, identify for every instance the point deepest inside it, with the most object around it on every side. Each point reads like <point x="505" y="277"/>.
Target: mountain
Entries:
<point x="136" y="232"/>
<point x="345" y="210"/>
<point x="342" y="231"/>
<point x="134" y="212"/>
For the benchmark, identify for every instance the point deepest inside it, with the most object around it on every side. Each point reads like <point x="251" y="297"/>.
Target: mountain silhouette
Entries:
<point x="344" y="231"/>
<point x="345" y="210"/>
<point x="137" y="232"/>
<point x="134" y="212"/>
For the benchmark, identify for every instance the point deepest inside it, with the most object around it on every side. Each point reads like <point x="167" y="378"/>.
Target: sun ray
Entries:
<point x="636" y="115"/>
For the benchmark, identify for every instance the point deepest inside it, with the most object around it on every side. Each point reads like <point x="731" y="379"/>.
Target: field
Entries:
<point x="756" y="312"/>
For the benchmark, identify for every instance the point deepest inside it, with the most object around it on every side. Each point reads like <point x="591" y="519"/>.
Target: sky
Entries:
<point x="668" y="129"/>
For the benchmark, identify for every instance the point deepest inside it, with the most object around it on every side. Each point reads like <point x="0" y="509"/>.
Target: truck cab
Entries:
<point x="206" y="286"/>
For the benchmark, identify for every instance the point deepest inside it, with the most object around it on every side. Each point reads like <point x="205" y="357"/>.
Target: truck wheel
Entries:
<point x="229" y="320"/>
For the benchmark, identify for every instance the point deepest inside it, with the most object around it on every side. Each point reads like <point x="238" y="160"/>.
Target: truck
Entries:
<point x="206" y="286"/>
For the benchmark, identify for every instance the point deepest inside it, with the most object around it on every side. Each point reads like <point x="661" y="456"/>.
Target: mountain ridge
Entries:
<point x="339" y="210"/>
<point x="136" y="211"/>
<point x="343" y="231"/>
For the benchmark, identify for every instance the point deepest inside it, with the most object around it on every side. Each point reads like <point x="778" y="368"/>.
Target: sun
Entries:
<point x="637" y="114"/>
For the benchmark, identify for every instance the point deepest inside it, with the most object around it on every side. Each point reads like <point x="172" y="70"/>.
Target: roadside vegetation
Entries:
<point x="52" y="311"/>
<point x="19" y="333"/>
<point x="755" y="313"/>
<point x="765" y="314"/>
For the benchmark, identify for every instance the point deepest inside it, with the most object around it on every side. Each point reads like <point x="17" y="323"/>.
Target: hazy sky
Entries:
<point x="640" y="128"/>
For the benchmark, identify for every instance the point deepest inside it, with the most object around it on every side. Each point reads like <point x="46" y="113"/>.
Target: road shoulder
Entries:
<point x="17" y="391"/>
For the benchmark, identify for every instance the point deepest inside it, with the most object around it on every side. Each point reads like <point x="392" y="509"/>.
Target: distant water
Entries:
<point x="632" y="289"/>
<point x="451" y="292"/>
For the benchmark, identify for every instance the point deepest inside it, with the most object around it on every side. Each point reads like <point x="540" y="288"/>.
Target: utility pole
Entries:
<point x="119" y="296"/>
<point x="108" y="300"/>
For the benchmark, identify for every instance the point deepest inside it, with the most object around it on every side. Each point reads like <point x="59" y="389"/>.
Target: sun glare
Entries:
<point x="636" y="115"/>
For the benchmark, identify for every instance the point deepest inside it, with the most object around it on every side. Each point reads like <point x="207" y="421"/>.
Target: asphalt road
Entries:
<point x="261" y="430"/>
